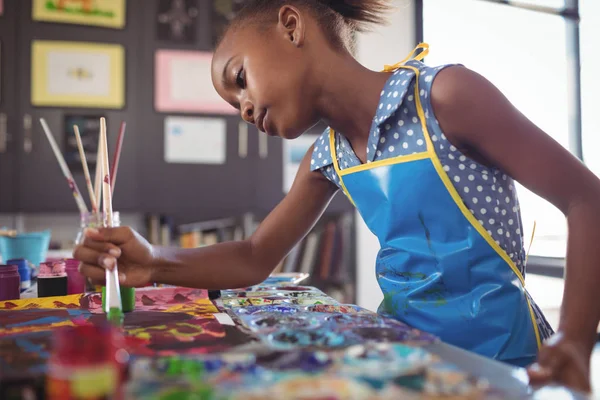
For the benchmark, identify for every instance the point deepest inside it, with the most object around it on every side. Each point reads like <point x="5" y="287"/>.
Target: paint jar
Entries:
<point x="10" y="282"/>
<point x="87" y="362"/>
<point x="94" y="220"/>
<point x="91" y="220"/>
<point x="75" y="281"/>
<point x="52" y="279"/>
<point x="24" y="272"/>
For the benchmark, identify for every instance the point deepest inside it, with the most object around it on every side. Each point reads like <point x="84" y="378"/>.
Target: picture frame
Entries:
<point x="103" y="13"/>
<point x="77" y="74"/>
<point x="183" y="84"/>
<point x="177" y="21"/>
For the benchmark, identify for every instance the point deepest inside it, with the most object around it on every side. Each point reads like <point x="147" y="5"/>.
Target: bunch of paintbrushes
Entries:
<point x="100" y="194"/>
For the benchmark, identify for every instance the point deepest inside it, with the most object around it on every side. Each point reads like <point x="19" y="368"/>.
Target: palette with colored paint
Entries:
<point x="271" y="294"/>
<point x="337" y="308"/>
<point x="380" y="362"/>
<point x="309" y="338"/>
<point x="270" y="322"/>
<point x="373" y="371"/>
<point x="278" y="308"/>
<point x="259" y="301"/>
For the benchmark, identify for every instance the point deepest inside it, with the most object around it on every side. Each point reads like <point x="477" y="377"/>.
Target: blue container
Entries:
<point x="30" y="246"/>
<point x="24" y="272"/>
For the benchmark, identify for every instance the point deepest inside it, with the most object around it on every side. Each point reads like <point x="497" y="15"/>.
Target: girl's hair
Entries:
<point x="339" y="19"/>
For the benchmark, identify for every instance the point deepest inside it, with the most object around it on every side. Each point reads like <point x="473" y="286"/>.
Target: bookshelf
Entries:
<point x="327" y="252"/>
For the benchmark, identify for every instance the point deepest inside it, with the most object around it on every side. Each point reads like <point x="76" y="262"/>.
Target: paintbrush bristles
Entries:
<point x="86" y="171"/>
<point x="64" y="168"/>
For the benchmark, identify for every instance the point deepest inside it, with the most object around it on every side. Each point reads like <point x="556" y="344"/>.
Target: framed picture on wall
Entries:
<point x="77" y="74"/>
<point x="105" y="13"/>
<point x="183" y="84"/>
<point x="176" y="20"/>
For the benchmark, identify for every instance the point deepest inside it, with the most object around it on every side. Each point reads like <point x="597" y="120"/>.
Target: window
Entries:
<point x="528" y="55"/>
<point x="590" y="82"/>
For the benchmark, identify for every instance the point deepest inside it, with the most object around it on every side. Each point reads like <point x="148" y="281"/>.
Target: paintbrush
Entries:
<point x="86" y="171"/>
<point x="117" y="156"/>
<point x="112" y="302"/>
<point x="64" y="168"/>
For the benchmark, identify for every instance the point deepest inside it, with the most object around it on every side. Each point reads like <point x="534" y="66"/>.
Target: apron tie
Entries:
<point x="418" y="57"/>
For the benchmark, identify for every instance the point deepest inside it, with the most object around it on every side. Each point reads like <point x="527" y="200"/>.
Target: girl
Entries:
<point x="428" y="156"/>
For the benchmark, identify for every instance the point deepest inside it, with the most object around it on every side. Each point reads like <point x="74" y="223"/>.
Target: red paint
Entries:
<point x="87" y="362"/>
<point x="10" y="282"/>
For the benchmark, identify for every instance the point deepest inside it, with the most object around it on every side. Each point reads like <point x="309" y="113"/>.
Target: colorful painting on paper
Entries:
<point x="105" y="13"/>
<point x="77" y="74"/>
<point x="181" y="300"/>
<point x="167" y="321"/>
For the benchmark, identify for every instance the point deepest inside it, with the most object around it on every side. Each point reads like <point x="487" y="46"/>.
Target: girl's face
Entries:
<point x="266" y="74"/>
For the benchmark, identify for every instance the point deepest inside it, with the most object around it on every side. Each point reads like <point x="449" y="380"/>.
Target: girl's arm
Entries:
<point x="476" y="116"/>
<point x="220" y="266"/>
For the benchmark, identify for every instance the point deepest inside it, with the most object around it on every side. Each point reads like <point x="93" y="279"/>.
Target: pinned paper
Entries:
<point x="193" y="140"/>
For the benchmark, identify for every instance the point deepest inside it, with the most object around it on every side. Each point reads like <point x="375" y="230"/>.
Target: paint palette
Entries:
<point x="308" y="338"/>
<point x="337" y="308"/>
<point x="278" y="308"/>
<point x="270" y="322"/>
<point x="366" y="371"/>
<point x="377" y="363"/>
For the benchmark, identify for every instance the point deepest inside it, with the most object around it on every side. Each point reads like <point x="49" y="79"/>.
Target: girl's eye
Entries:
<point x="240" y="79"/>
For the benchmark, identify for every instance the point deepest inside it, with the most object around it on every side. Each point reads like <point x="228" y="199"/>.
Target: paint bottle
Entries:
<point x="87" y="362"/>
<point x="75" y="281"/>
<point x="52" y="279"/>
<point x="10" y="282"/>
<point x="24" y="271"/>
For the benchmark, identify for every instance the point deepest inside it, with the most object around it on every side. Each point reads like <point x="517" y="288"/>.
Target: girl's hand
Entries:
<point x="104" y="248"/>
<point x="564" y="361"/>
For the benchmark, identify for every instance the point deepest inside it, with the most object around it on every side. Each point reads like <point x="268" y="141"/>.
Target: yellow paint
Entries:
<point x="42" y="302"/>
<point x="34" y="328"/>
<point x="41" y="74"/>
<point x="201" y="306"/>
<point x="106" y="13"/>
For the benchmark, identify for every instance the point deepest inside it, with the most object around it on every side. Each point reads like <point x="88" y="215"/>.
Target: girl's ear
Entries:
<point x="291" y="24"/>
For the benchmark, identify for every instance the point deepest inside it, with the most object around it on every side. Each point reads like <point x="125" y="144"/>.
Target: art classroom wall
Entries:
<point x="384" y="45"/>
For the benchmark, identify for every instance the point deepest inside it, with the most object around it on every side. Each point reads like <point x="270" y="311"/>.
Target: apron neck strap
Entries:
<point x="422" y="46"/>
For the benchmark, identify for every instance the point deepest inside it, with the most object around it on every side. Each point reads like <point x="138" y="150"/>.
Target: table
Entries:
<point x="241" y="307"/>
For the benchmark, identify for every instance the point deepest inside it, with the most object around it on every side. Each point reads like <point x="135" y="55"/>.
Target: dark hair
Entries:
<point x="339" y="19"/>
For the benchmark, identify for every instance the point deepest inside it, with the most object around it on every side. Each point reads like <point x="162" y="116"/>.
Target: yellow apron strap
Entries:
<point x="418" y="57"/>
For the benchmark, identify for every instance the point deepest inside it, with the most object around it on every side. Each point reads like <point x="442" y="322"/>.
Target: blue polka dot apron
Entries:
<point x="438" y="268"/>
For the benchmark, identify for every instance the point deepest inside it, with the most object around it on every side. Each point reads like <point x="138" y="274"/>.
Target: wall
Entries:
<point x="384" y="45"/>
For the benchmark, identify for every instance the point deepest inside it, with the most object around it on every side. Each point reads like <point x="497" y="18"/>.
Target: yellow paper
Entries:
<point x="77" y="74"/>
<point x="106" y="13"/>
